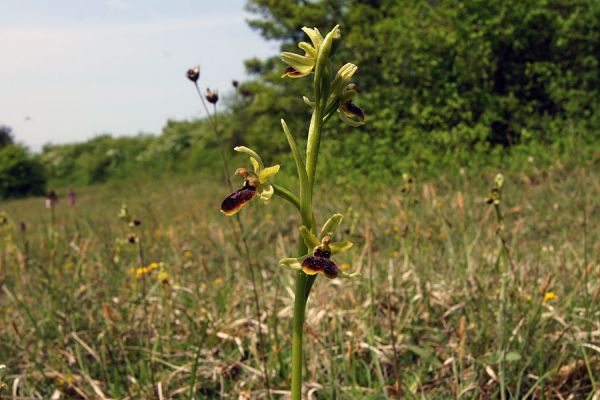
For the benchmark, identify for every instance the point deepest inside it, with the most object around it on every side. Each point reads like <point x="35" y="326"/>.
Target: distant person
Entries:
<point x="51" y="199"/>
<point x="72" y="197"/>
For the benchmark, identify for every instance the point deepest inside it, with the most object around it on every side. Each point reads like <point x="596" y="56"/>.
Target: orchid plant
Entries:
<point x="332" y="93"/>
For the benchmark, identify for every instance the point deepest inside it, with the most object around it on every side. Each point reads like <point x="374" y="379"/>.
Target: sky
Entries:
<point x="73" y="69"/>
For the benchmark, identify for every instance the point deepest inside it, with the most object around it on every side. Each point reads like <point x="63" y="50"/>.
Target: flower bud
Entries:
<point x="193" y="73"/>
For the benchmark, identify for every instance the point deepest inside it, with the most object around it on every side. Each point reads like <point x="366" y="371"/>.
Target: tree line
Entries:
<point x="444" y="84"/>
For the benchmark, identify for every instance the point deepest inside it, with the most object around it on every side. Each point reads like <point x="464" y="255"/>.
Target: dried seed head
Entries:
<point x="212" y="97"/>
<point x="193" y="74"/>
<point x="245" y="92"/>
<point x="231" y="371"/>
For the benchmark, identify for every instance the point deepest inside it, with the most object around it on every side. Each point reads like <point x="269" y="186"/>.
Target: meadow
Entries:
<point x="451" y="303"/>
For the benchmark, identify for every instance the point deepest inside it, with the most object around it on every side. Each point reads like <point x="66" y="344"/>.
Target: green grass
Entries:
<point x="426" y="320"/>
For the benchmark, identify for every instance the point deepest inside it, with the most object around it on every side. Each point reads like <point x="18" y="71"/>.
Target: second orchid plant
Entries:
<point x="332" y="93"/>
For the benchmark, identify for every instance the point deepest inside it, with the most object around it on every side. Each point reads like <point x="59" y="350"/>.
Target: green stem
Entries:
<point x="299" y="308"/>
<point x="288" y="196"/>
<point x="304" y="282"/>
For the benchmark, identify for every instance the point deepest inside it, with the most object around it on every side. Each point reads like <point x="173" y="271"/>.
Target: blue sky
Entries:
<point x="72" y="69"/>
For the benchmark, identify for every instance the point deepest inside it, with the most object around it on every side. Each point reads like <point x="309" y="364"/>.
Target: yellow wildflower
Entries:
<point x="188" y="253"/>
<point x="143" y="271"/>
<point x="549" y="296"/>
<point x="163" y="277"/>
<point x="140" y="272"/>
<point x="345" y="266"/>
<point x="217" y="281"/>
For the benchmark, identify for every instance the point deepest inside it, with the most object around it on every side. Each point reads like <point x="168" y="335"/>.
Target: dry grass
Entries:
<point x="422" y="321"/>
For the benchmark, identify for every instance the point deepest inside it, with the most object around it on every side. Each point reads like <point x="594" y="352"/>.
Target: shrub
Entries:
<point x="20" y="175"/>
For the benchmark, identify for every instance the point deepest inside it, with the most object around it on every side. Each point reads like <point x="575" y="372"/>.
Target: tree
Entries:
<point x="20" y="175"/>
<point x="444" y="81"/>
<point x="6" y="136"/>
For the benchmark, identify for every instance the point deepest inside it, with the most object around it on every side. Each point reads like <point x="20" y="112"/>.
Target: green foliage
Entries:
<point x="20" y="175"/>
<point x="454" y="82"/>
<point x="444" y="85"/>
<point x="114" y="158"/>
<point x="6" y="136"/>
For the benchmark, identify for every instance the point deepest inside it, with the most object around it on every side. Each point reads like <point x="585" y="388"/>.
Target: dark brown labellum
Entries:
<point x="291" y="72"/>
<point x="322" y="253"/>
<point x="238" y="199"/>
<point x="355" y="110"/>
<point x="315" y="264"/>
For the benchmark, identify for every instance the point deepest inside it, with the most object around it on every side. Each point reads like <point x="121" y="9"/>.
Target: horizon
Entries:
<point x="116" y="66"/>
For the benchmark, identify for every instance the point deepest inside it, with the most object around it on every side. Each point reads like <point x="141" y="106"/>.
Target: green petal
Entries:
<point x="251" y="153"/>
<point x="255" y="164"/>
<point x="331" y="226"/>
<point x="292" y="263"/>
<point x="310" y="239"/>
<point x="339" y="247"/>
<point x="267" y="173"/>
<point x="343" y="274"/>
<point x="310" y="51"/>
<point x="266" y="192"/>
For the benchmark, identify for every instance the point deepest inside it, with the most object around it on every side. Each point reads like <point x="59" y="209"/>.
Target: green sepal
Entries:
<point x="302" y="64"/>
<point x="310" y="239"/>
<point x="251" y="153"/>
<point x="331" y="226"/>
<point x="315" y="36"/>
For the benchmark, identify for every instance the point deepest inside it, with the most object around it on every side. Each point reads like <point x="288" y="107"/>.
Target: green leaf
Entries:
<point x="426" y="355"/>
